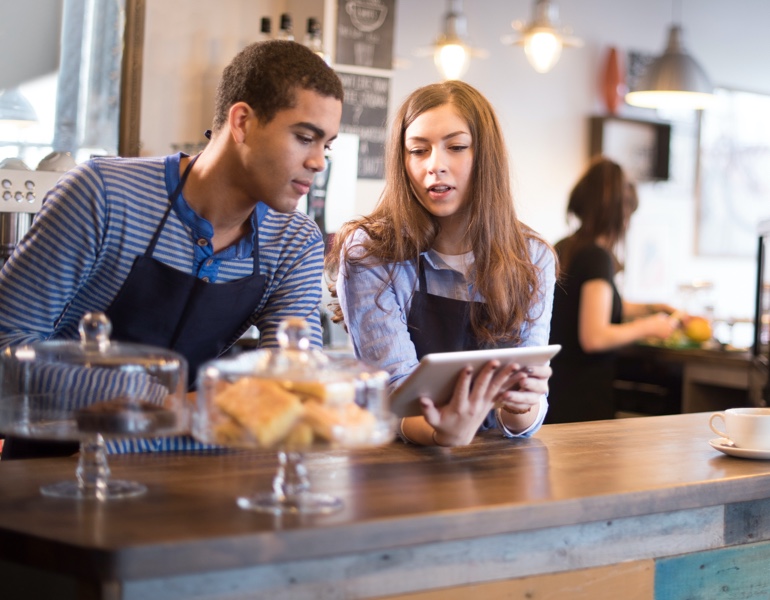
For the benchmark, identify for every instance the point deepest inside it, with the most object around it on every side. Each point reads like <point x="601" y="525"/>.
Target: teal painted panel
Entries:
<point x="736" y="573"/>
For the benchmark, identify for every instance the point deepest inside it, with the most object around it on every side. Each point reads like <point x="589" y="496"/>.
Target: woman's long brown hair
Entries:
<point x="603" y="200"/>
<point x="399" y="228"/>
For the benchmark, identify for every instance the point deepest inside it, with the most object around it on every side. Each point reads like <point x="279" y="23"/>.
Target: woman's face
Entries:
<point x="439" y="158"/>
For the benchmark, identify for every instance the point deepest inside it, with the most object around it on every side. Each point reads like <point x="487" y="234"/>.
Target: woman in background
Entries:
<point x="590" y="320"/>
<point x="443" y="264"/>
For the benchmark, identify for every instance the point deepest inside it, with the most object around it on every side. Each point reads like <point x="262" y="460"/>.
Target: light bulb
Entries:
<point x="543" y="50"/>
<point x="452" y="60"/>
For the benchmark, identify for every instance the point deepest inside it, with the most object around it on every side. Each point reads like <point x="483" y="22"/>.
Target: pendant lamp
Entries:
<point x="542" y="39"/>
<point x="674" y="80"/>
<point x="452" y="51"/>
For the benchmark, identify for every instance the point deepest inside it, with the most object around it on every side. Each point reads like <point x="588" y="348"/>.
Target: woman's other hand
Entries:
<point x="661" y="325"/>
<point x="520" y="404"/>
<point x="526" y="386"/>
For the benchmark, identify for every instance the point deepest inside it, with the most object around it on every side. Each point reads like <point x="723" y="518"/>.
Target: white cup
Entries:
<point x="746" y="427"/>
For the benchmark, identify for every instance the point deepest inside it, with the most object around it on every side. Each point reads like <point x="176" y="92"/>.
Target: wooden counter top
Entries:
<point x="396" y="496"/>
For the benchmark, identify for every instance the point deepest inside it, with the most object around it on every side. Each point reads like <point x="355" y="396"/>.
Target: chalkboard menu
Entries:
<point x="365" y="33"/>
<point x="365" y="114"/>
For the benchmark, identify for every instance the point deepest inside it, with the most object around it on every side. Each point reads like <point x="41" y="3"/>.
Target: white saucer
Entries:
<point x="726" y="446"/>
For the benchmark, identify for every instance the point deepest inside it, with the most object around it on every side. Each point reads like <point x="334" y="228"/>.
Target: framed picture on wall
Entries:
<point x="733" y="174"/>
<point x="641" y="147"/>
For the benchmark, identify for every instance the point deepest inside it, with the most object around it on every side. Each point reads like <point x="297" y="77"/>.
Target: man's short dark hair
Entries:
<point x="265" y="75"/>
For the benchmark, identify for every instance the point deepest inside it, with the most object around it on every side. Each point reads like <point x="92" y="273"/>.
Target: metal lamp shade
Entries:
<point x="674" y="80"/>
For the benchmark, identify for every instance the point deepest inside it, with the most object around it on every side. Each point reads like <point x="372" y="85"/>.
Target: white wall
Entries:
<point x="187" y="45"/>
<point x="17" y="21"/>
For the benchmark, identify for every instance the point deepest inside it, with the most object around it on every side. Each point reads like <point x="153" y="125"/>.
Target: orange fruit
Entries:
<point x="698" y="329"/>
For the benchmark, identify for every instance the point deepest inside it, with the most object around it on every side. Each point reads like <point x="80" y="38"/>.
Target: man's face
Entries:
<point x="285" y="154"/>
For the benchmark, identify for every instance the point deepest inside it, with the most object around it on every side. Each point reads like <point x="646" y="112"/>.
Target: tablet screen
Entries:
<point x="437" y="373"/>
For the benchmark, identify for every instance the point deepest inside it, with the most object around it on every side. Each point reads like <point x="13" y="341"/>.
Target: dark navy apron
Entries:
<point x="439" y="324"/>
<point x="160" y="306"/>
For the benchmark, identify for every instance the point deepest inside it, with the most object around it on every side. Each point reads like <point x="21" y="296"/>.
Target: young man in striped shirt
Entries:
<point x="188" y="252"/>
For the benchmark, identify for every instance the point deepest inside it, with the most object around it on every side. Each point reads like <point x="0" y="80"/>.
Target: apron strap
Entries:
<point x="421" y="274"/>
<point x="255" y="245"/>
<point x="174" y="195"/>
<point x="172" y="198"/>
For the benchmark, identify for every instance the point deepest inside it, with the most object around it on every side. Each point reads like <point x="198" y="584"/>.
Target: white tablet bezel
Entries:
<point x="437" y="373"/>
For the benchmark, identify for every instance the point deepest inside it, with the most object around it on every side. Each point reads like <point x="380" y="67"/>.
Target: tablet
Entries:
<point x="437" y="373"/>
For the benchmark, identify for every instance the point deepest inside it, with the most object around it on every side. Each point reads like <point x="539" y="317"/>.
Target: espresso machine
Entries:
<point x="21" y="196"/>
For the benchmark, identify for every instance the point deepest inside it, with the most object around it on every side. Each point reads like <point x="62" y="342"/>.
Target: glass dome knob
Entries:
<point x="294" y="334"/>
<point x="95" y="329"/>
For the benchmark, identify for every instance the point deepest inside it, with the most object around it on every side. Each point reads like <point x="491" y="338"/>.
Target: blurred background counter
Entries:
<point x="655" y="380"/>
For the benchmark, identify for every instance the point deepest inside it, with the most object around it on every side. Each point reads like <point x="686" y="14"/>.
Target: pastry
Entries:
<point x="227" y="431"/>
<point x="300" y="437"/>
<point x="328" y="392"/>
<point x="349" y="424"/>
<point x="293" y="414"/>
<point x="124" y="416"/>
<point x="262" y="407"/>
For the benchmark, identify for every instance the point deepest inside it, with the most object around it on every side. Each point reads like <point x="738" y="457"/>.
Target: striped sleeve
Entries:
<point x="291" y="251"/>
<point x="54" y="258"/>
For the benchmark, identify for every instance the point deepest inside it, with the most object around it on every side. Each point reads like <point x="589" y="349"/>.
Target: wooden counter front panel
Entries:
<point x="458" y="563"/>
<point x="741" y="572"/>
<point x="629" y="581"/>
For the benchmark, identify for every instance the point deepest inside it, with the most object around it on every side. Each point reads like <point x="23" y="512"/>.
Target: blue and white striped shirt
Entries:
<point x="102" y="214"/>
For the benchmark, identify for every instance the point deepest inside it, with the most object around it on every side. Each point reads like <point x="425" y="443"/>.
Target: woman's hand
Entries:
<point x="661" y="325"/>
<point x="456" y="422"/>
<point x="516" y="404"/>
<point x="526" y="385"/>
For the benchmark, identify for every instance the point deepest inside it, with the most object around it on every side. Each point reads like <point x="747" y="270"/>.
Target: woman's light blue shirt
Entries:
<point x="376" y="302"/>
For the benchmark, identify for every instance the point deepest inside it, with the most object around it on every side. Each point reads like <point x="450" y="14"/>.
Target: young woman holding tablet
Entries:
<point x="443" y="264"/>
